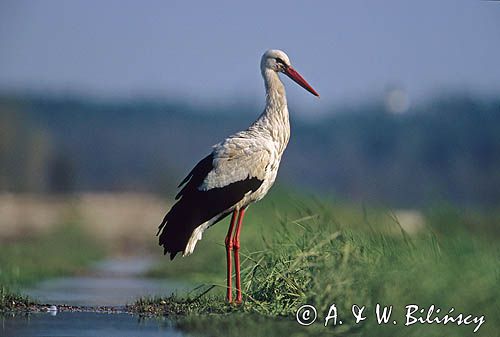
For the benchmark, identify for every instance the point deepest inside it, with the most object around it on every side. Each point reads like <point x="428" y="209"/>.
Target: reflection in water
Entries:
<point x="85" y="324"/>
<point x="90" y="291"/>
<point x="114" y="282"/>
<point x="124" y="325"/>
<point x="117" y="282"/>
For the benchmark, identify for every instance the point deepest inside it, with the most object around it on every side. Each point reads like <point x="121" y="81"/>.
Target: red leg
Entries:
<point x="229" y="248"/>
<point x="236" y="247"/>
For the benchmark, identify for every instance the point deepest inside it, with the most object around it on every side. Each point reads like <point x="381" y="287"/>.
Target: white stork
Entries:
<point x="239" y="171"/>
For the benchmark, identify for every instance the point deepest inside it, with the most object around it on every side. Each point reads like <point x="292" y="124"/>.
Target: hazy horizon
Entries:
<point x="210" y="51"/>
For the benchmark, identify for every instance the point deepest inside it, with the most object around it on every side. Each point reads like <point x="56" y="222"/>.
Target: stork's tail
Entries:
<point x="175" y="229"/>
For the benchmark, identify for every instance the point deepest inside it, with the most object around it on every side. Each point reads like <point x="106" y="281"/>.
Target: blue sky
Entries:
<point x="209" y="51"/>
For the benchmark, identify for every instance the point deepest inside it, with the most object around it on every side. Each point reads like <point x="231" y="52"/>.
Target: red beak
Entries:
<point x="294" y="75"/>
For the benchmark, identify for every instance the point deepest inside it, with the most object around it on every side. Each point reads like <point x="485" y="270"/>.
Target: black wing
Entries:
<point x="194" y="207"/>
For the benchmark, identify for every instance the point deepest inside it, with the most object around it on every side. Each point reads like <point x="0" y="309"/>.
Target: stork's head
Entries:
<point x="278" y="61"/>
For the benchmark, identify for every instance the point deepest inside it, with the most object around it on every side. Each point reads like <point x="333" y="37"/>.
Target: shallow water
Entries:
<point x="85" y="324"/>
<point x="114" y="282"/>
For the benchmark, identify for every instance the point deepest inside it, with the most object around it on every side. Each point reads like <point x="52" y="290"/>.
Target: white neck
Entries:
<point x="275" y="90"/>
<point x="276" y="111"/>
<point x="274" y="120"/>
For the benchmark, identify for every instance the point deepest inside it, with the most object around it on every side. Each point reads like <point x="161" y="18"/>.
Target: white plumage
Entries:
<point x="239" y="171"/>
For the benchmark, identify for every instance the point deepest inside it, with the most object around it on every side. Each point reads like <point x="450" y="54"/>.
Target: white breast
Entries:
<point x="276" y="149"/>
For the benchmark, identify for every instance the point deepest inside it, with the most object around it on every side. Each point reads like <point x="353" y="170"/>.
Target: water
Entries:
<point x="85" y="324"/>
<point x="114" y="282"/>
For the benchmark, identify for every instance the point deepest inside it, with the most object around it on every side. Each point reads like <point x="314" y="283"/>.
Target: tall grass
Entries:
<point x="260" y="226"/>
<point x="315" y="259"/>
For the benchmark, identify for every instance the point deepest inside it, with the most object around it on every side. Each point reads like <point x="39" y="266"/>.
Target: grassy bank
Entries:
<point x="261" y="226"/>
<point x="64" y="249"/>
<point x="317" y="259"/>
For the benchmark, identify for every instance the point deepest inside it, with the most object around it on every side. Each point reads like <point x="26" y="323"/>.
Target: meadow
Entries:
<point x="296" y="250"/>
<point x="63" y="250"/>
<point x="43" y="236"/>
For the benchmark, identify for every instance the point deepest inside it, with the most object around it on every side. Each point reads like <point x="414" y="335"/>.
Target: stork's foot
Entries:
<point x="235" y="302"/>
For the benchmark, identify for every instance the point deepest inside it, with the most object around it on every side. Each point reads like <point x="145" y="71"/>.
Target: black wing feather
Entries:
<point x="196" y="176"/>
<point x="195" y="207"/>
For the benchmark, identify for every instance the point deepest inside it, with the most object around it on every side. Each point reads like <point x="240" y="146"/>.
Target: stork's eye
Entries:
<point x="280" y="61"/>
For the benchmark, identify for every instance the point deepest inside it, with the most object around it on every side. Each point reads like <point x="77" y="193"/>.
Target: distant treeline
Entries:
<point x="447" y="149"/>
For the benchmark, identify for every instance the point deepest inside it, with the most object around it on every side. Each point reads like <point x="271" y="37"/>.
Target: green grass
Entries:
<point x="14" y="301"/>
<point x="321" y="266"/>
<point x="318" y="260"/>
<point x="64" y="250"/>
<point x="262" y="220"/>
